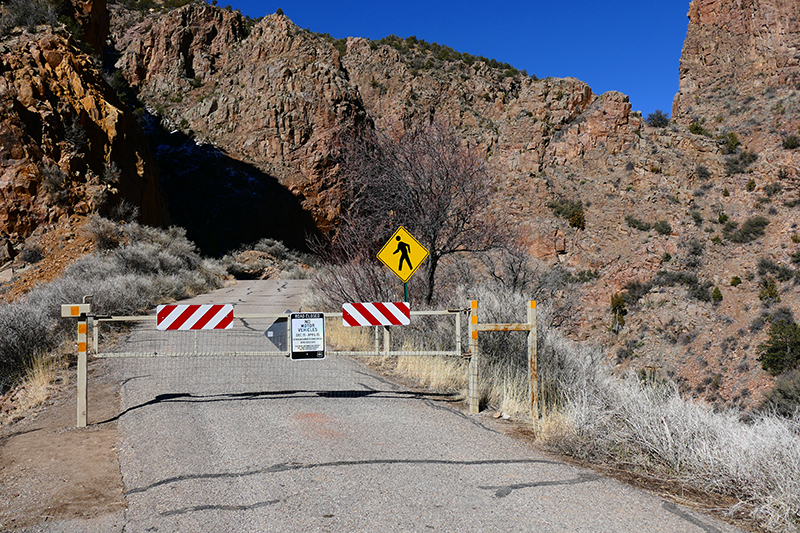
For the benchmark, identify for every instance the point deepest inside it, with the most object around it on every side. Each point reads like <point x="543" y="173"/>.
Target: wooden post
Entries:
<point x="82" y="361"/>
<point x="533" y="361"/>
<point x="474" y="393"/>
<point x="459" y="353"/>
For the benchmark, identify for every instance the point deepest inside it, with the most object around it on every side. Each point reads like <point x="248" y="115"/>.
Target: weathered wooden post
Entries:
<point x="533" y="360"/>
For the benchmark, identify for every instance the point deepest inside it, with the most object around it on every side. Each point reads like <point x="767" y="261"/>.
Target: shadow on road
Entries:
<point x="185" y="397"/>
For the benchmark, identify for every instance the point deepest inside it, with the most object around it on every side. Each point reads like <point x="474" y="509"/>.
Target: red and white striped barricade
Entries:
<point x="376" y="314"/>
<point x="176" y="317"/>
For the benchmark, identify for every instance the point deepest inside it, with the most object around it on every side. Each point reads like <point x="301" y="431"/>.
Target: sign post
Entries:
<point x="403" y="254"/>
<point x="308" y="335"/>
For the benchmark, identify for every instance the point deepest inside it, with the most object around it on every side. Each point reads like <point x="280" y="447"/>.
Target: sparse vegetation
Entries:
<point x="702" y="172"/>
<point x="662" y="227"/>
<point x="618" y="312"/>
<point x="781" y="352"/>
<point x="739" y="164"/>
<point x="422" y="55"/>
<point x="570" y="210"/>
<point x="729" y="142"/>
<point x="28" y="14"/>
<point x="716" y="295"/>
<point x="768" y="294"/>
<point x="637" y="224"/>
<point x="144" y="267"/>
<point x="791" y="142"/>
<point x="752" y="229"/>
<point x="657" y="119"/>
<point x="696" y="127"/>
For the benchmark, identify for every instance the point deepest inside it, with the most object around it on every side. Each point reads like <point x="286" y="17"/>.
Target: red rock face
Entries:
<point x="275" y="96"/>
<point x="67" y="144"/>
<point x="749" y="44"/>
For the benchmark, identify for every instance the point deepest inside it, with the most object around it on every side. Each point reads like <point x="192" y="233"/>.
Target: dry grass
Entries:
<point x="346" y="338"/>
<point x="35" y="387"/>
<point x="444" y="374"/>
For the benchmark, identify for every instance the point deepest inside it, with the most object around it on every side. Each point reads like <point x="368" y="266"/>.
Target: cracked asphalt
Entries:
<point x="269" y="444"/>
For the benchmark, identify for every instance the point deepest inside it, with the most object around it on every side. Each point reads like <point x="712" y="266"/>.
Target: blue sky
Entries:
<point x="632" y="46"/>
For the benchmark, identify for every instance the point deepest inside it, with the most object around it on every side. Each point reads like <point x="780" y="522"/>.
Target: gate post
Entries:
<point x="533" y="360"/>
<point x="80" y="311"/>
<point x="82" y="362"/>
<point x="474" y="393"/>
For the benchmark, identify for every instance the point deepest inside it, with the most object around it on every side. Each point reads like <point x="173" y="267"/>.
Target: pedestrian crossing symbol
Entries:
<point x="403" y="254"/>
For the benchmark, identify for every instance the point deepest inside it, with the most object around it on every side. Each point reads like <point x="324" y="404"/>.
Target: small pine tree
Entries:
<point x="781" y="352"/>
<point x="716" y="295"/>
<point x="658" y="119"/>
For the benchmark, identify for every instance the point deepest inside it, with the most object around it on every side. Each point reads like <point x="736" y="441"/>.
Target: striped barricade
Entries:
<point x="191" y="317"/>
<point x="376" y="314"/>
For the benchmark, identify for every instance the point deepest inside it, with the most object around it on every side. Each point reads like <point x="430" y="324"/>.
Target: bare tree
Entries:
<point x="423" y="177"/>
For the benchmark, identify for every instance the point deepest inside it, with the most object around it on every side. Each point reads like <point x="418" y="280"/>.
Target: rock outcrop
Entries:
<point x="746" y="45"/>
<point x="273" y="95"/>
<point x="92" y="18"/>
<point x="68" y="144"/>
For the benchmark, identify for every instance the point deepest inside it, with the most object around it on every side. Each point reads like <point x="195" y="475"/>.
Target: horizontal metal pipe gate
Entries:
<point x="86" y="321"/>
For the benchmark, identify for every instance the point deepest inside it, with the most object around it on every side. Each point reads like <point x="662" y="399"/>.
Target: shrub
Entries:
<point x="31" y="254"/>
<point x="768" y="293"/>
<point x="783" y="399"/>
<point x="752" y="229"/>
<point x="702" y="172"/>
<point x="697" y="217"/>
<point x="791" y="142"/>
<point x="716" y="295"/>
<point x="658" y="119"/>
<point x="772" y="189"/>
<point x="751" y="185"/>
<point x="637" y="224"/>
<point x="696" y="127"/>
<point x="662" y="227"/>
<point x="738" y="164"/>
<point x="736" y="281"/>
<point x="781" y="352"/>
<point x="155" y="266"/>
<point x="730" y="142"/>
<point x="570" y="210"/>
<point x="768" y="266"/>
<point x="28" y="13"/>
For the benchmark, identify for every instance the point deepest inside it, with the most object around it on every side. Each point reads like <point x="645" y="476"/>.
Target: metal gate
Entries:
<point x="265" y="335"/>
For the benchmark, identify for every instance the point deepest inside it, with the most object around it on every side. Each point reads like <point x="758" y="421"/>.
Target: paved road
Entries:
<point x="270" y="444"/>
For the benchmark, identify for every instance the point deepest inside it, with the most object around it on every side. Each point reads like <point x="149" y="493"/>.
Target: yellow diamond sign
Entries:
<point x="403" y="254"/>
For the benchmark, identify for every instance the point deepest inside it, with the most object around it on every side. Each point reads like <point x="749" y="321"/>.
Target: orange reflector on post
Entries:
<point x="75" y="310"/>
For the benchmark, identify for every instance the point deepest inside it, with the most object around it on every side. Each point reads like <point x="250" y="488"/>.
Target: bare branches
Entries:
<point x="424" y="178"/>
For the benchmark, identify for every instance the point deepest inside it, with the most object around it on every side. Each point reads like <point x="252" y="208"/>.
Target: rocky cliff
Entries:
<point x="69" y="146"/>
<point x="242" y="115"/>
<point x="273" y="94"/>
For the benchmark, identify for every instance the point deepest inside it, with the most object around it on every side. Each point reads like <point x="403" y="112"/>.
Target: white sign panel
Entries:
<point x="308" y="335"/>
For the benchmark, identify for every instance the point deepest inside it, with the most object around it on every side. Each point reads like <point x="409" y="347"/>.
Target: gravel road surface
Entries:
<point x="269" y="444"/>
